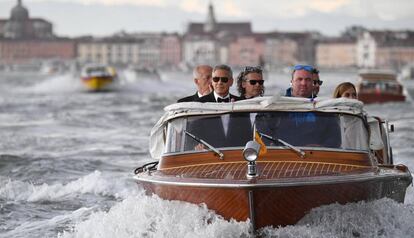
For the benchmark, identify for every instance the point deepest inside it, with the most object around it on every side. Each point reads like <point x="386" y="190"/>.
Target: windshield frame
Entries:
<point x="363" y="124"/>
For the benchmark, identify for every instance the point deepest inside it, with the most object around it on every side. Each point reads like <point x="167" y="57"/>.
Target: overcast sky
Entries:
<point x="105" y="17"/>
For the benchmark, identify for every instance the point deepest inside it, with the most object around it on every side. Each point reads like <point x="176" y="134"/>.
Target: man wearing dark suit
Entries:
<point x="202" y="79"/>
<point x="226" y="130"/>
<point x="236" y="131"/>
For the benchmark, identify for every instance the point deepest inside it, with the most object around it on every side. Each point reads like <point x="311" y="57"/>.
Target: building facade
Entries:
<point x="24" y="39"/>
<point x="209" y="42"/>
<point x="336" y="53"/>
<point x="385" y="49"/>
<point x="146" y="50"/>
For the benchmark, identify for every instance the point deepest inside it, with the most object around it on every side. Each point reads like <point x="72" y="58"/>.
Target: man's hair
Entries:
<point x="224" y="67"/>
<point x="242" y="77"/>
<point x="196" y="74"/>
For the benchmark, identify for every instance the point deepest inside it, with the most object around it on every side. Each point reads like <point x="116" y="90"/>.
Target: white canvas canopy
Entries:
<point x="275" y="103"/>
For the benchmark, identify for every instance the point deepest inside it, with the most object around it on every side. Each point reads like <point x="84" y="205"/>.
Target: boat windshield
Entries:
<point x="97" y="71"/>
<point x="302" y="129"/>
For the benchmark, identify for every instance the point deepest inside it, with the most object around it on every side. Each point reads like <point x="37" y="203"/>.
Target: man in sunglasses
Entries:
<point x="222" y="81"/>
<point x="202" y="79"/>
<point x="316" y="82"/>
<point x="250" y="82"/>
<point x="227" y="129"/>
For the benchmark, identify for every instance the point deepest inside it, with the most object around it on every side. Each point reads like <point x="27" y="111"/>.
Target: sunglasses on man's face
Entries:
<point x="253" y="82"/>
<point x="317" y="82"/>
<point x="222" y="79"/>
<point x="304" y="67"/>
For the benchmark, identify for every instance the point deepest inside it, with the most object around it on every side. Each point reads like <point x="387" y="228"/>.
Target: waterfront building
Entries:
<point x="209" y="42"/>
<point x="337" y="52"/>
<point x="385" y="49"/>
<point x="24" y="39"/>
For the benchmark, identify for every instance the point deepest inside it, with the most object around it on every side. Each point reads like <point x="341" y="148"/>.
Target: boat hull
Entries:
<point x="97" y="83"/>
<point x="282" y="194"/>
<point x="279" y="205"/>
<point x="368" y="98"/>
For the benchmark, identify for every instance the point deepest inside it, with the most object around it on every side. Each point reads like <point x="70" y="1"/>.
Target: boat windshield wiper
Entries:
<point x="221" y="155"/>
<point x="300" y="152"/>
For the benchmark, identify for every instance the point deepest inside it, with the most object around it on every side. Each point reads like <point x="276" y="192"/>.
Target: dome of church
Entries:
<point x="19" y="13"/>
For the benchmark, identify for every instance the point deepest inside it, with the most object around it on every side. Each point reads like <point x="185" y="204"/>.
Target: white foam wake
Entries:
<point x="94" y="183"/>
<point x="381" y="218"/>
<point x="58" y="84"/>
<point x="145" y="216"/>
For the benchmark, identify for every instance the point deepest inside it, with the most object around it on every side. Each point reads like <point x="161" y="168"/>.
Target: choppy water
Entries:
<point x="67" y="158"/>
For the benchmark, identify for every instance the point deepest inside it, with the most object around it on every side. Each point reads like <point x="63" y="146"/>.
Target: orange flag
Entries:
<point x="258" y="139"/>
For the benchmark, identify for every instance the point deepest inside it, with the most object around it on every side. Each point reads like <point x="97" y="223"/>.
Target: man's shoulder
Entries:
<point x="191" y="98"/>
<point x="288" y="92"/>
<point x="207" y="98"/>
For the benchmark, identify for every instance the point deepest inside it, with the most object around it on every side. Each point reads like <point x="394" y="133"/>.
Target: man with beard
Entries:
<point x="250" y="82"/>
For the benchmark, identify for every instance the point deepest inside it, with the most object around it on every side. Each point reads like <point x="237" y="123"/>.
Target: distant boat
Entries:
<point x="379" y="87"/>
<point x="98" y="77"/>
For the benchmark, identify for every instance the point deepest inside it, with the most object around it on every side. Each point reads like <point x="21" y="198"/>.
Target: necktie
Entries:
<point x="223" y="99"/>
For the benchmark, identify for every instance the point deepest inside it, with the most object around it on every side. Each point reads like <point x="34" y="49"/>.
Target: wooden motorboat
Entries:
<point x="379" y="87"/>
<point x="98" y="77"/>
<point x="317" y="153"/>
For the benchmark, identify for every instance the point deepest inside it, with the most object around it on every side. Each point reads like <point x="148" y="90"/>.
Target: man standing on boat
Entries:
<point x="315" y="129"/>
<point x="202" y="79"/>
<point x="316" y="82"/>
<point x="250" y="82"/>
<point x="222" y="81"/>
<point x="305" y="82"/>
<point x="302" y="82"/>
<point x="223" y="130"/>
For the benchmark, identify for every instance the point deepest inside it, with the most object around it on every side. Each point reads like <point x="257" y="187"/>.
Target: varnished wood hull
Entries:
<point x="286" y="189"/>
<point x="279" y="206"/>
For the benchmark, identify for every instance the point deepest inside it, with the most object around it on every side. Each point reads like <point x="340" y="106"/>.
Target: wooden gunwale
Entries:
<point x="274" y="183"/>
<point x="231" y="156"/>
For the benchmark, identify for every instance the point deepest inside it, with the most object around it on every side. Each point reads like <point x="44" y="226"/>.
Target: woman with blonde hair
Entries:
<point x="345" y="90"/>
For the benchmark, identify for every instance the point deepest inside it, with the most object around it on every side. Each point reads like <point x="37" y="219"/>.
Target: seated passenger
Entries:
<point x="250" y="82"/>
<point x="228" y="130"/>
<point x="301" y="128"/>
<point x="345" y="90"/>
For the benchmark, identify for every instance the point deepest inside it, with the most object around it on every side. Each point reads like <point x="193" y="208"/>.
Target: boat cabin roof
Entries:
<point x="378" y="75"/>
<point x="274" y="103"/>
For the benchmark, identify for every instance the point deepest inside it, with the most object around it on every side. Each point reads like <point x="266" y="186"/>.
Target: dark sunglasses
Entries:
<point x="254" y="81"/>
<point x="223" y="79"/>
<point x="255" y="69"/>
<point x="317" y="82"/>
<point x="304" y="67"/>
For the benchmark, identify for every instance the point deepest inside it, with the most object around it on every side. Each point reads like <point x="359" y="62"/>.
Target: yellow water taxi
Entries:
<point x="98" y="77"/>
